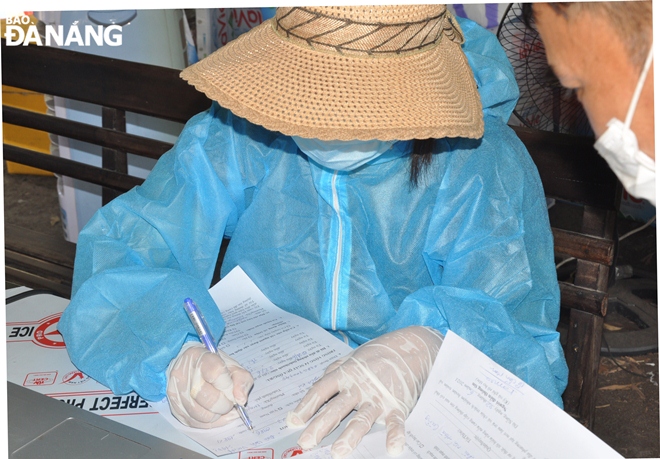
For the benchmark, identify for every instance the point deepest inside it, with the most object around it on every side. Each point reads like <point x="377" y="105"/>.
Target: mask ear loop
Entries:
<point x="638" y="89"/>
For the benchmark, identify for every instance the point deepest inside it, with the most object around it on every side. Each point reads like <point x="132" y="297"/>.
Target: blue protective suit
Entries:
<point x="469" y="249"/>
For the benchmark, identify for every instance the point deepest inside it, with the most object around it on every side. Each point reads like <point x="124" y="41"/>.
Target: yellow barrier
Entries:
<point x="20" y="136"/>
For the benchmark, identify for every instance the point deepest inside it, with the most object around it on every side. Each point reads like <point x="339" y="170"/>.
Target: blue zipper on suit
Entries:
<point x="336" y="248"/>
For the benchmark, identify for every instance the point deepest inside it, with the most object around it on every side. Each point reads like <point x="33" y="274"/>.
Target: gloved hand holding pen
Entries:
<point x="203" y="383"/>
<point x="382" y="379"/>
<point x="202" y="387"/>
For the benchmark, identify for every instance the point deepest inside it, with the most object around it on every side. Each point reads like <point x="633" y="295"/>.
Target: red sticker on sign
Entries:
<point x="257" y="453"/>
<point x="46" y="333"/>
<point x="46" y="378"/>
<point x="295" y="451"/>
<point x="75" y="377"/>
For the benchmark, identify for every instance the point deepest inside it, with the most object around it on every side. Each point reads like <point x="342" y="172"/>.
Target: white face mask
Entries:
<point x="618" y="145"/>
<point x="342" y="155"/>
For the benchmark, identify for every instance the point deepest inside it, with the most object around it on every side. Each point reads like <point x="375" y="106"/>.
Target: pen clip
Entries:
<point x="198" y="322"/>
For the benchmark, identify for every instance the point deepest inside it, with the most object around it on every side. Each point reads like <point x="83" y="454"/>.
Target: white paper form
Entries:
<point x="471" y="407"/>
<point x="284" y="353"/>
<point x="37" y="359"/>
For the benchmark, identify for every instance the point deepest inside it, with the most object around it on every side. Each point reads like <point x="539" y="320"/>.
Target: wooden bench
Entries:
<point x="118" y="87"/>
<point x="570" y="169"/>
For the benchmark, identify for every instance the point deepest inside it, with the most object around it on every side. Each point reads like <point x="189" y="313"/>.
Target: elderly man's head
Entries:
<point x="599" y="49"/>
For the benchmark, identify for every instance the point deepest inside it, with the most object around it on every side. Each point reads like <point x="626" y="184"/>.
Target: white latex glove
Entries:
<point x="382" y="380"/>
<point x="202" y="387"/>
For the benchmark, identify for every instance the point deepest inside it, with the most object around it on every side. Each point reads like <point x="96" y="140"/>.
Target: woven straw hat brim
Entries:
<point x="318" y="94"/>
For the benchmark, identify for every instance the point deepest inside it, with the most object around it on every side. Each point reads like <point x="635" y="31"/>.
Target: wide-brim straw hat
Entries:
<point x="348" y="72"/>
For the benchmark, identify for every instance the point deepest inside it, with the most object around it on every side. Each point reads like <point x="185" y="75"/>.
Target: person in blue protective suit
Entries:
<point x="360" y="161"/>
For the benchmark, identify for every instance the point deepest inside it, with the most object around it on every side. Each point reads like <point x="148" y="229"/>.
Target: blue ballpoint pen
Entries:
<point x="205" y="337"/>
